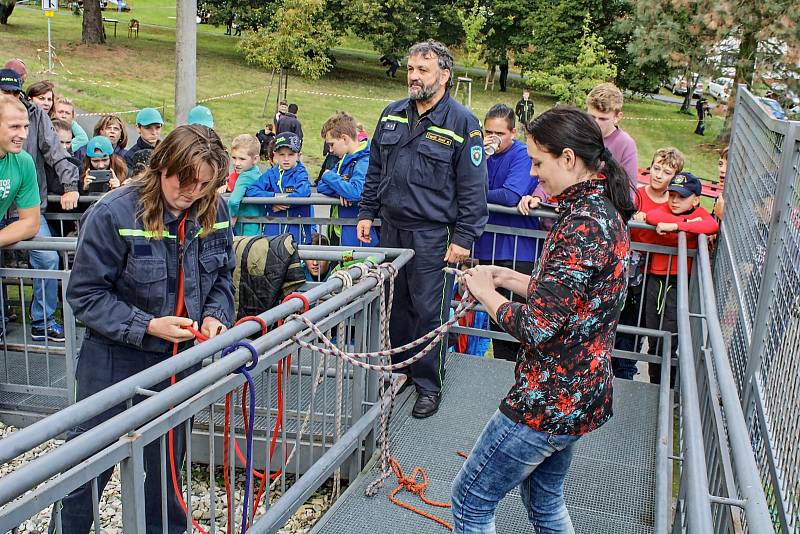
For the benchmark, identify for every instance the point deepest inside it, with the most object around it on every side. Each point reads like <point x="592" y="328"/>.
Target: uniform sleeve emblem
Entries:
<point x="476" y="155"/>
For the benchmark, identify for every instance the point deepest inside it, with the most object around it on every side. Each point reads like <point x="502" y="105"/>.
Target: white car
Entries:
<point x="720" y="88"/>
<point x="679" y="85"/>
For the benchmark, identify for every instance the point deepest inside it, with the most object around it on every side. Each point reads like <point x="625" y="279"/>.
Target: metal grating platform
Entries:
<point x="610" y="487"/>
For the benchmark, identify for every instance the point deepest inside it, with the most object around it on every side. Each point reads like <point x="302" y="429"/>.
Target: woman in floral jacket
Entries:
<point x="566" y="330"/>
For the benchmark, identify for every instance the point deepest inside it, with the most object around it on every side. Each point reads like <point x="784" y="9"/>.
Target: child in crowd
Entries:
<point x="64" y="109"/>
<point x="318" y="270"/>
<point x="363" y="135"/>
<point x="112" y="127"/>
<point x="266" y="136"/>
<point x="100" y="156"/>
<point x="148" y="124"/>
<point x="65" y="137"/>
<point x="604" y="103"/>
<point x="201" y="115"/>
<point x="345" y="180"/>
<point x="244" y="156"/>
<point x="665" y="165"/>
<point x="722" y="170"/>
<point x="288" y="178"/>
<point x="682" y="213"/>
<point x="283" y="107"/>
<point x="42" y="94"/>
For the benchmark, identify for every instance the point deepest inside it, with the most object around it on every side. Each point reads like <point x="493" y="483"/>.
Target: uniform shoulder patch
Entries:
<point x="475" y="133"/>
<point x="476" y="155"/>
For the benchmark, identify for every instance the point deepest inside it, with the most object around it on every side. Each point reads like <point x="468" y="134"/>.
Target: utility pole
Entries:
<point x="185" y="59"/>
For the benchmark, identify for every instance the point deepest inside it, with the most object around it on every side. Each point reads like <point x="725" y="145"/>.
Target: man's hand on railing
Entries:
<point x="69" y="201"/>
<point x="344" y="202"/>
<point x="363" y="230"/>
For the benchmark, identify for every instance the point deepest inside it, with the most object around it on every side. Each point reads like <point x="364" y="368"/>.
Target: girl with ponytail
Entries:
<point x="563" y="386"/>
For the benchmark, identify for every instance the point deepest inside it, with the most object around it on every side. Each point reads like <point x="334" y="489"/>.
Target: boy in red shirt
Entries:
<point x="682" y="213"/>
<point x="666" y="163"/>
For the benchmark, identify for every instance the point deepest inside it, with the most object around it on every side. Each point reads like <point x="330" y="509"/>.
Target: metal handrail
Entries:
<point x="747" y="473"/>
<point x="698" y="502"/>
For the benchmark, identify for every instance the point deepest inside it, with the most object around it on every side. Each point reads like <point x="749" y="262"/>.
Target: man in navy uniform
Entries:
<point x="427" y="182"/>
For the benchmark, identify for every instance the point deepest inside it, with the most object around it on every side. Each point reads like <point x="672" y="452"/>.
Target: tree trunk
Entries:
<point x="6" y="8"/>
<point x="745" y="67"/>
<point x="92" y="23"/>
<point x="687" y="100"/>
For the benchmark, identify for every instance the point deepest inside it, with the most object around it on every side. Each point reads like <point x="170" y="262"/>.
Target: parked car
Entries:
<point x="773" y="108"/>
<point x="720" y="88"/>
<point x="679" y="85"/>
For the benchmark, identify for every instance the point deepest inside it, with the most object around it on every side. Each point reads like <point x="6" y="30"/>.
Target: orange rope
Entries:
<point x="410" y="484"/>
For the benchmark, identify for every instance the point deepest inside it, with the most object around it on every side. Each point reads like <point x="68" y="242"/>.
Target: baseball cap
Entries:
<point x="99" y="147"/>
<point x="148" y="116"/>
<point x="287" y="140"/>
<point x="685" y="184"/>
<point x="10" y="80"/>
<point x="201" y="115"/>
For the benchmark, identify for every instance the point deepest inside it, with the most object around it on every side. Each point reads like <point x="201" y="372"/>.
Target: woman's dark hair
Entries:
<point x="501" y="111"/>
<point x="41" y="88"/>
<point x="567" y="127"/>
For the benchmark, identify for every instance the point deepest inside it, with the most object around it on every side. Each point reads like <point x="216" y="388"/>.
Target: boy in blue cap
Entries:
<point x="149" y="124"/>
<point x="681" y="213"/>
<point x="201" y="115"/>
<point x="287" y="178"/>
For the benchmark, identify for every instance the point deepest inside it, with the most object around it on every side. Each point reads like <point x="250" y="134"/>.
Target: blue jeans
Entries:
<point x="507" y="455"/>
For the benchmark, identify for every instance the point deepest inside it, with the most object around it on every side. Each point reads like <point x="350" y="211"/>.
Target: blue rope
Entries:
<point x="245" y="370"/>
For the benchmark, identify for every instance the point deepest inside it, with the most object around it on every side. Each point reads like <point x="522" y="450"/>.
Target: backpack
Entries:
<point x="267" y="270"/>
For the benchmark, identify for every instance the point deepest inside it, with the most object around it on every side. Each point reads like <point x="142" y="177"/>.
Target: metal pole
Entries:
<point x="185" y="59"/>
<point x="49" y="47"/>
<point x="747" y="473"/>
<point x="698" y="505"/>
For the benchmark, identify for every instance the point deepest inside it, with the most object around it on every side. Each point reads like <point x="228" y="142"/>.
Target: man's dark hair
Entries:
<point x="443" y="56"/>
<point x="501" y="111"/>
<point x="292" y="108"/>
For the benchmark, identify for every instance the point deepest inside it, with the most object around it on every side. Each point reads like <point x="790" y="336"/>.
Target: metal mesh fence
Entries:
<point x="757" y="275"/>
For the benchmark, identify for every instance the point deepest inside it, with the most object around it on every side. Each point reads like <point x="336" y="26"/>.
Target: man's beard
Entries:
<point x="426" y="92"/>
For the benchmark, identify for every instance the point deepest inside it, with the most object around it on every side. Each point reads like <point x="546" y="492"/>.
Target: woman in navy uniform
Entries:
<point x="140" y="246"/>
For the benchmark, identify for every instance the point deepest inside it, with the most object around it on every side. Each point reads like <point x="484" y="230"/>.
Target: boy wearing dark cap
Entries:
<point x="288" y="178"/>
<point x="149" y="124"/>
<point x="681" y="213"/>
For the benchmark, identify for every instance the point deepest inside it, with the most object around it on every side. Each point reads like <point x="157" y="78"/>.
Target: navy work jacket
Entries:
<point x="428" y="171"/>
<point x="122" y="277"/>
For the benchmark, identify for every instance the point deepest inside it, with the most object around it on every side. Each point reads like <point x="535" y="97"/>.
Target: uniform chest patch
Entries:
<point x="476" y="155"/>
<point x="289" y="190"/>
<point x="390" y="126"/>
<point x="446" y="141"/>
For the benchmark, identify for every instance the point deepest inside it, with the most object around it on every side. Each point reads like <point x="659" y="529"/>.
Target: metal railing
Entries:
<point x="756" y="271"/>
<point x="328" y="428"/>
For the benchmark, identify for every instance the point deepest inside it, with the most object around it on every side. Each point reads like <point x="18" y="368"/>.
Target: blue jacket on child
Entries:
<point x="346" y="180"/>
<point x="292" y="183"/>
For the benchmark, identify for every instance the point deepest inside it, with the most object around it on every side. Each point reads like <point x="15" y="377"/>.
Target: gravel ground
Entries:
<point x="111" y="504"/>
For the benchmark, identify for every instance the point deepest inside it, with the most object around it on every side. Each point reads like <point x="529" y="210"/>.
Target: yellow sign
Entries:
<point x="50" y="13"/>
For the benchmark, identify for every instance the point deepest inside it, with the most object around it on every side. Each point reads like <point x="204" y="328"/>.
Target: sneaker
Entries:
<point x="55" y="332"/>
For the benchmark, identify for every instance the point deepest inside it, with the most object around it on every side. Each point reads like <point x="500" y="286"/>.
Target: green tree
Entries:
<point x="299" y="38"/>
<point x="675" y="32"/>
<point x="249" y="14"/>
<point x="6" y="8"/>
<point x="571" y="82"/>
<point x="473" y="21"/>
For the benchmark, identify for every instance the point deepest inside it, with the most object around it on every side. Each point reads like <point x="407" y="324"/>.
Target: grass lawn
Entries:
<point x="126" y="74"/>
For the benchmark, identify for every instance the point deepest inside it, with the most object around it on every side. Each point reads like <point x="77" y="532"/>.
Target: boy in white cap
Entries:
<point x="149" y="124"/>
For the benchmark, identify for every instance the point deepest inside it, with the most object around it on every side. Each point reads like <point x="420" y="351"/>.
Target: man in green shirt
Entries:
<point x="18" y="184"/>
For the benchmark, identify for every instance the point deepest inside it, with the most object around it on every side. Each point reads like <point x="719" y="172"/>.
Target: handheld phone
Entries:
<point x="100" y="179"/>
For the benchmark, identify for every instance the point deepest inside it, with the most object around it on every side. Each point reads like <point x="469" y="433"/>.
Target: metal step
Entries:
<point x="610" y="486"/>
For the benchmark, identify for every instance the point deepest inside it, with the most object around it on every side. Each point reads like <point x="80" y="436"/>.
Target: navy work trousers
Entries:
<point x="101" y="364"/>
<point x="422" y="294"/>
